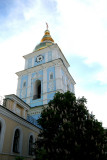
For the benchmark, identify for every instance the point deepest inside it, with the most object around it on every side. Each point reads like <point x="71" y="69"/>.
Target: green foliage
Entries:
<point x="69" y="131"/>
<point x="19" y="158"/>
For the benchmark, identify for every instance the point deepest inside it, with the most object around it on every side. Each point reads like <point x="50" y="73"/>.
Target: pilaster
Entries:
<point x="58" y="76"/>
<point x="18" y="87"/>
<point x="45" y="86"/>
<point x="28" y="89"/>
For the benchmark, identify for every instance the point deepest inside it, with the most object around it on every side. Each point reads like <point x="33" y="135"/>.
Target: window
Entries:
<point x="30" y="145"/>
<point x="16" y="141"/>
<point x="51" y="76"/>
<point x="24" y="84"/>
<point x="37" y="90"/>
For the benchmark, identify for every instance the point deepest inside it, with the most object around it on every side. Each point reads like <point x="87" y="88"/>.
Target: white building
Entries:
<point x="46" y="72"/>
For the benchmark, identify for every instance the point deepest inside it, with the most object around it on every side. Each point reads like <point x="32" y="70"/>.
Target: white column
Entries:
<point x="33" y="61"/>
<point x="45" y="86"/>
<point x="28" y="89"/>
<point x="26" y="63"/>
<point x="18" y="87"/>
<point x="54" y="54"/>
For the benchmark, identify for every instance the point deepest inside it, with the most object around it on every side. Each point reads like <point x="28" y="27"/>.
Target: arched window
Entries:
<point x="51" y="76"/>
<point x="16" y="141"/>
<point x="30" y="145"/>
<point x="37" y="90"/>
<point x="24" y="84"/>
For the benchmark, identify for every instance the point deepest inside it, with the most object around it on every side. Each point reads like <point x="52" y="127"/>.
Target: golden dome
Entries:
<point x="45" y="41"/>
<point x="47" y="37"/>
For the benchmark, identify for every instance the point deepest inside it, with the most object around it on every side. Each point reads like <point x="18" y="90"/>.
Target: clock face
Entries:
<point x="39" y="58"/>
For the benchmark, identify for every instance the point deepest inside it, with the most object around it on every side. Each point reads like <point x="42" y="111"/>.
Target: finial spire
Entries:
<point x="46" y="25"/>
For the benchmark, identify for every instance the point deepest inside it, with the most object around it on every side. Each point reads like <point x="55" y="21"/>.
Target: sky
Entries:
<point x="79" y="27"/>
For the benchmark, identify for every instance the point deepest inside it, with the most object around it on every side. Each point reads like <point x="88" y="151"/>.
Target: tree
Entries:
<point x="69" y="131"/>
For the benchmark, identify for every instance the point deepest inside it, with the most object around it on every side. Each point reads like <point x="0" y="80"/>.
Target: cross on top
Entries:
<point x="46" y="25"/>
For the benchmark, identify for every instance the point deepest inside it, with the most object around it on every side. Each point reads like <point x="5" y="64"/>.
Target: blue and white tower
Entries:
<point x="46" y="72"/>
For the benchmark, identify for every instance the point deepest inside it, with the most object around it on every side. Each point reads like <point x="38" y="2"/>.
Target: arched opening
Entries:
<point x="30" y="145"/>
<point x="16" y="141"/>
<point x="51" y="76"/>
<point x="24" y="84"/>
<point x="37" y="90"/>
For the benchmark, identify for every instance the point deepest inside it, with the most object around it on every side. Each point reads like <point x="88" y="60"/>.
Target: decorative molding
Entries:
<point x="40" y="67"/>
<point x="37" y="75"/>
<point x="51" y="85"/>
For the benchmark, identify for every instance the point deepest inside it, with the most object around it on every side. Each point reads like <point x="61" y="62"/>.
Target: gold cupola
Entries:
<point x="45" y="41"/>
<point x="47" y="37"/>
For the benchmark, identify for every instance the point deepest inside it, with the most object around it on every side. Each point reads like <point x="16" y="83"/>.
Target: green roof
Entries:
<point x="43" y="45"/>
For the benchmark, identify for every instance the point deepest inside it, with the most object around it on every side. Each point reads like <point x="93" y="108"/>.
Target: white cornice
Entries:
<point x="18" y="101"/>
<point x="54" y="46"/>
<point x="39" y="67"/>
<point x="39" y="51"/>
<point x="18" y="119"/>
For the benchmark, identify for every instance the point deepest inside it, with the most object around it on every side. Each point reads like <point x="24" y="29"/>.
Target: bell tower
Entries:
<point x="46" y="72"/>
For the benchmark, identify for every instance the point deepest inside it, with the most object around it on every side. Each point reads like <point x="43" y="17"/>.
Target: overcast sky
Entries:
<point x="79" y="27"/>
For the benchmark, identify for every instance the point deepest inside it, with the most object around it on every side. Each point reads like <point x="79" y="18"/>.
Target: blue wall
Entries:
<point x="29" y="63"/>
<point x="50" y="96"/>
<point x="36" y="116"/>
